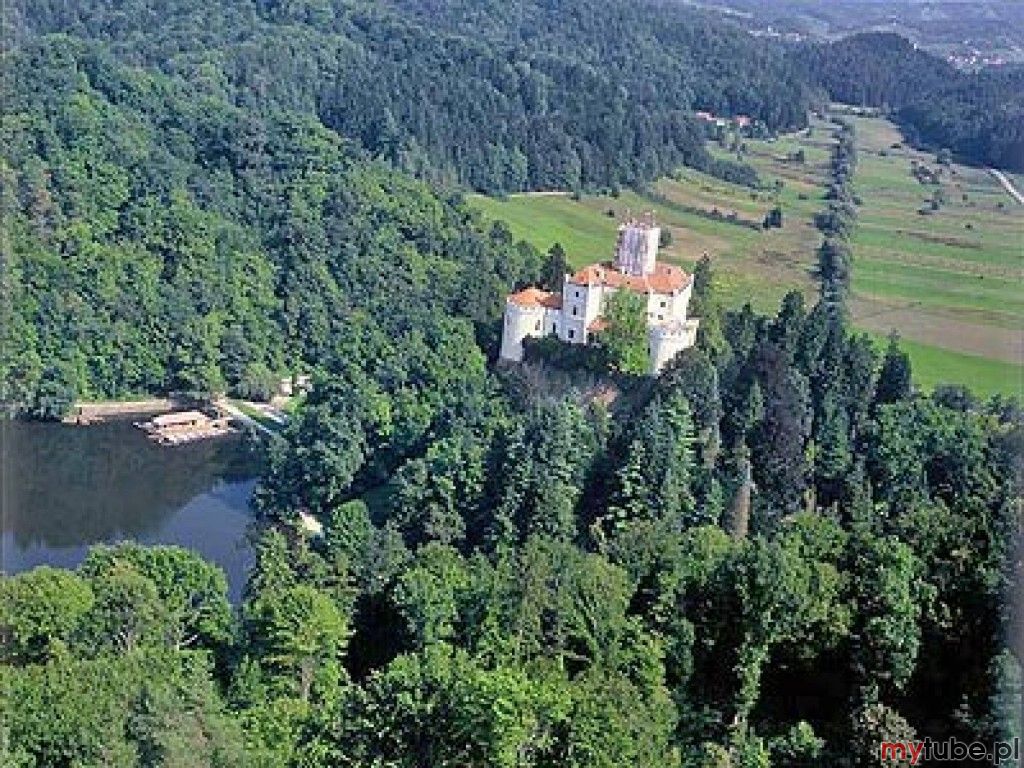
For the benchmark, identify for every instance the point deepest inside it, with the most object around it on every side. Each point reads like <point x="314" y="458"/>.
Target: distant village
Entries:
<point x="738" y="121"/>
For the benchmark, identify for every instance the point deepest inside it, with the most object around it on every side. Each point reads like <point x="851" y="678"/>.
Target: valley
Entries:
<point x="947" y="280"/>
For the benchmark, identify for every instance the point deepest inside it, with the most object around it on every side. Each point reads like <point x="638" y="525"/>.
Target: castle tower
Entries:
<point x="529" y="313"/>
<point x="520" y="322"/>
<point x="637" y="247"/>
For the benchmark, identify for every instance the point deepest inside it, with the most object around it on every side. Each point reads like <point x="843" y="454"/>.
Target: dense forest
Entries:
<point x="159" y="241"/>
<point x="978" y="116"/>
<point x="777" y="553"/>
<point x="569" y="95"/>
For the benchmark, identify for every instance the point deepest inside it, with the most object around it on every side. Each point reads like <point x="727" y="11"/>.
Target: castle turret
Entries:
<point x="668" y="340"/>
<point x="530" y="312"/>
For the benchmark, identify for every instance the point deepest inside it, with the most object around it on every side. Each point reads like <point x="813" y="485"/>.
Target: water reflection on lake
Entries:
<point x="63" y="488"/>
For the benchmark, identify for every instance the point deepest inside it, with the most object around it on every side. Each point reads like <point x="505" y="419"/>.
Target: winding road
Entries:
<point x="1007" y="185"/>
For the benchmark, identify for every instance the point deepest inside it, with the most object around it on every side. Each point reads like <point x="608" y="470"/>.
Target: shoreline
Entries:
<point x="85" y="413"/>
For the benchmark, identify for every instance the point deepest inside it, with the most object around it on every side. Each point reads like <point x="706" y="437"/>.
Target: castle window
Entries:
<point x="577" y="294"/>
<point x="663" y="305"/>
<point x="537" y="326"/>
<point x="572" y="334"/>
<point x="574" y="311"/>
<point x="661" y="317"/>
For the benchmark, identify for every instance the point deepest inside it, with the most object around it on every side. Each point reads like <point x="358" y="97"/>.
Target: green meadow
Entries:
<point x="934" y="365"/>
<point x="946" y="277"/>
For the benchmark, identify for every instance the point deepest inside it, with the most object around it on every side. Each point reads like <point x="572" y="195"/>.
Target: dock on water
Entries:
<point x="186" y="426"/>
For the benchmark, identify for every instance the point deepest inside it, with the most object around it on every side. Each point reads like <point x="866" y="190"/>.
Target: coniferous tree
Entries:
<point x="832" y="455"/>
<point x="655" y="479"/>
<point x="894" y="382"/>
<point x="556" y="265"/>
<point x="778" y="443"/>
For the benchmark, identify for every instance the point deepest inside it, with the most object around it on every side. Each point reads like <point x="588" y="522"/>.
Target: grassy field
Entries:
<point x="948" y="280"/>
<point x="933" y="365"/>
<point x="751" y="264"/>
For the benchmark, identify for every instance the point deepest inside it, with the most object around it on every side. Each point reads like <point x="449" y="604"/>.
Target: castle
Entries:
<point x="575" y="314"/>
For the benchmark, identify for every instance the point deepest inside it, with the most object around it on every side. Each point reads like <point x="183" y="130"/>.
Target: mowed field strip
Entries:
<point x="949" y="280"/>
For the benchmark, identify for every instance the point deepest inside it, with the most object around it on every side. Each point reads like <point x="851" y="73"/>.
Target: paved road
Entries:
<point x="1007" y="185"/>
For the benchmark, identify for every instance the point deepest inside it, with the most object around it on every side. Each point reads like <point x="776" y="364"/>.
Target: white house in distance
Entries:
<point x="576" y="313"/>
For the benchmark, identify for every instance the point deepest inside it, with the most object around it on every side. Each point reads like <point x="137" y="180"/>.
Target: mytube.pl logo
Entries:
<point x="928" y="750"/>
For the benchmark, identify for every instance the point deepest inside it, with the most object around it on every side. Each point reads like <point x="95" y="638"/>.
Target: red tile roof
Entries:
<point x="665" y="278"/>
<point x="535" y="297"/>
<point x="597" y="325"/>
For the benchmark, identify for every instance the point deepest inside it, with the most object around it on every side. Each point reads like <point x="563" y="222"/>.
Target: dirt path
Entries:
<point x="243" y="417"/>
<point x="242" y="410"/>
<point x="541" y="193"/>
<point x="1007" y="185"/>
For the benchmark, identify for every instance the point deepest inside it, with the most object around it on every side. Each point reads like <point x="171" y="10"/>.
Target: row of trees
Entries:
<point x="838" y="220"/>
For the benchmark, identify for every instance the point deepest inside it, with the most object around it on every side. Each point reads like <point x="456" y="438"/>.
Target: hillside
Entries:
<point x="970" y="33"/>
<point x="979" y="116"/>
<point x="161" y="242"/>
<point x="945" y="279"/>
<point x="780" y="552"/>
<point x="581" y="97"/>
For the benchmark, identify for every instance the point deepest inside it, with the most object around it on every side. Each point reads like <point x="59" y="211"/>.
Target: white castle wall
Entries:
<point x="667" y="307"/>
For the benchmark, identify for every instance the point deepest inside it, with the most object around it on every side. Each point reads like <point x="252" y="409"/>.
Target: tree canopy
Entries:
<point x="776" y="553"/>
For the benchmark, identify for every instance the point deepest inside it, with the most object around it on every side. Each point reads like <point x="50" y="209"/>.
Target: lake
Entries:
<point x="64" y="488"/>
